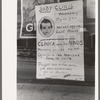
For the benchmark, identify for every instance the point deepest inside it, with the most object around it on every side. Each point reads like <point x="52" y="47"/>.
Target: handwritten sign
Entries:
<point x="60" y="44"/>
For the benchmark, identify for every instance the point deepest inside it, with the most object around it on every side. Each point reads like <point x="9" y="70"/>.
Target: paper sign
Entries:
<point x="60" y="44"/>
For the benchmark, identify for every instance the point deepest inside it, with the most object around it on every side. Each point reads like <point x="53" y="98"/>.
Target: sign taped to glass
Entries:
<point x="60" y="44"/>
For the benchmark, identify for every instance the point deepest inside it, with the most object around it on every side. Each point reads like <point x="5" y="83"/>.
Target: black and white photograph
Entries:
<point x="56" y="50"/>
